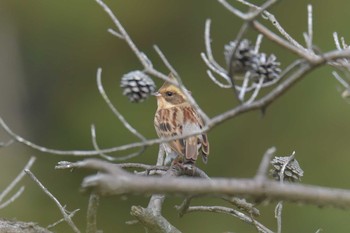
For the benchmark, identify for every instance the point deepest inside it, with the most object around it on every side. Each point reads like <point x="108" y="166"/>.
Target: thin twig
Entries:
<point x="113" y="108"/>
<point x="274" y="22"/>
<point x="278" y="40"/>
<point x="114" y="33"/>
<point x="62" y="209"/>
<point x="256" y="91"/>
<point x="11" y="186"/>
<point x="265" y="163"/>
<point x="165" y="61"/>
<point x="340" y="79"/>
<point x="161" y="155"/>
<point x="258" y="43"/>
<point x="122" y="33"/>
<point x="183" y="207"/>
<point x="211" y="62"/>
<point x="336" y="41"/>
<point x="8" y="143"/>
<point x="278" y="216"/>
<point x="279" y="206"/>
<point x="229" y="211"/>
<point x="217" y="82"/>
<point x="231" y="69"/>
<point x="290" y="159"/>
<point x="12" y="198"/>
<point x="310" y="28"/>
<point x="250" y="15"/>
<point x="71" y="215"/>
<point x="91" y="223"/>
<point x="153" y="223"/>
<point x="244" y="86"/>
<point x="110" y="158"/>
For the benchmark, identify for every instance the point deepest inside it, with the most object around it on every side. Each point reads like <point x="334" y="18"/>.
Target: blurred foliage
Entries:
<point x="57" y="47"/>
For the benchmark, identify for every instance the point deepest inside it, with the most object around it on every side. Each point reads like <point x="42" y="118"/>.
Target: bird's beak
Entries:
<point x="156" y="94"/>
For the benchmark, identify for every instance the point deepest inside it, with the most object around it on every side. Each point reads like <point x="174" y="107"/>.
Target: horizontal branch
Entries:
<point x="114" y="181"/>
<point x="21" y="227"/>
<point x="229" y="211"/>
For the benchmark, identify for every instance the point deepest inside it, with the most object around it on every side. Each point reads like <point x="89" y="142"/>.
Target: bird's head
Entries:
<point x="170" y="95"/>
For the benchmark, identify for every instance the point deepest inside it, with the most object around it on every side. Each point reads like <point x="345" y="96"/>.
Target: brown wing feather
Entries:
<point x="168" y="125"/>
<point x="178" y="121"/>
<point x="199" y="142"/>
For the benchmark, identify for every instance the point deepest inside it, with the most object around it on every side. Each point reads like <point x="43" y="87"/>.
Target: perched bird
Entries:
<point x="175" y="116"/>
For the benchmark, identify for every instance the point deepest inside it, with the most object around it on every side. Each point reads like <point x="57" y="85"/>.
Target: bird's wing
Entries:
<point x="168" y="124"/>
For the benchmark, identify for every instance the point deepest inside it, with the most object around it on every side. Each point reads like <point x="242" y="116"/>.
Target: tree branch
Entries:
<point x="154" y="223"/>
<point x="115" y="181"/>
<point x="232" y="212"/>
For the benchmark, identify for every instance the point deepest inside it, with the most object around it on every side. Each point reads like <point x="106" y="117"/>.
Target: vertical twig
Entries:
<point x="310" y="27"/>
<point x="278" y="216"/>
<point x="91" y="223"/>
<point x="279" y="206"/>
<point x="161" y="155"/>
<point x="264" y="164"/>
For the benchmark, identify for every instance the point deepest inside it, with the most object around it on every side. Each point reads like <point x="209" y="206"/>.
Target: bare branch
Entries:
<point x="264" y="164"/>
<point x="340" y="79"/>
<point x="256" y="91"/>
<point x="91" y="223"/>
<point x="114" y="33"/>
<point x="71" y="215"/>
<point x="250" y="15"/>
<point x="14" y="226"/>
<point x="165" y="60"/>
<point x="11" y="186"/>
<point x="114" y="181"/>
<point x="336" y="41"/>
<point x="62" y="209"/>
<point x="155" y="223"/>
<point x="210" y="61"/>
<point x="183" y="207"/>
<point x="6" y="144"/>
<point x="278" y="40"/>
<point x="290" y="158"/>
<point x="13" y="197"/>
<point x="113" y="109"/>
<point x="309" y="40"/>
<point x="229" y="211"/>
<point x="121" y="118"/>
<point x="278" y="216"/>
<point x="122" y="33"/>
<point x="274" y="22"/>
<point x="161" y="155"/>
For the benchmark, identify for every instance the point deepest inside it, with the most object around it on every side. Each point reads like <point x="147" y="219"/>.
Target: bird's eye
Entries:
<point x="169" y="93"/>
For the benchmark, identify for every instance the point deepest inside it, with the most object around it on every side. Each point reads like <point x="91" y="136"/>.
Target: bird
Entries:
<point x="175" y="116"/>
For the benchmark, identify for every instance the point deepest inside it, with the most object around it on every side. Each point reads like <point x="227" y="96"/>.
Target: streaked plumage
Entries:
<point x="175" y="116"/>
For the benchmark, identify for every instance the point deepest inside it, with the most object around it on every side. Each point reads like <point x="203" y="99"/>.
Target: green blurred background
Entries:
<point x="49" y="54"/>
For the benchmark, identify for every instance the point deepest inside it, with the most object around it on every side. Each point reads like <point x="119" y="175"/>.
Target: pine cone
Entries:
<point x="137" y="86"/>
<point x="265" y="67"/>
<point x="244" y="56"/>
<point x="292" y="172"/>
